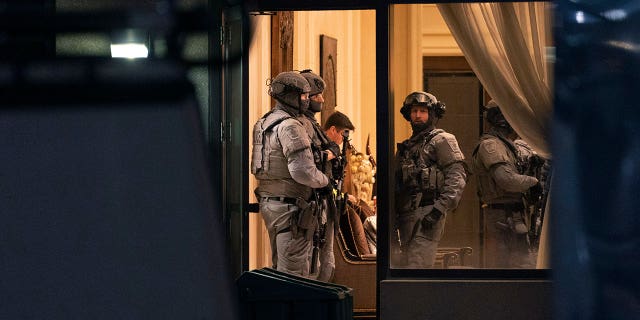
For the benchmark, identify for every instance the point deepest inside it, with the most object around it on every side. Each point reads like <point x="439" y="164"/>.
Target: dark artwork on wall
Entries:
<point x="328" y="72"/>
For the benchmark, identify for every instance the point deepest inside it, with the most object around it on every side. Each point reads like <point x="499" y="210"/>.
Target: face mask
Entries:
<point x="304" y="105"/>
<point x="315" y="106"/>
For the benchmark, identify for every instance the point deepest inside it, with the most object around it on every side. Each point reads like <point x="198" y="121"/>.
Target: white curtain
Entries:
<point x="506" y="45"/>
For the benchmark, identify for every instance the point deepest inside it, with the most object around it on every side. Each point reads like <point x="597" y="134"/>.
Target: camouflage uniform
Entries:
<point x="497" y="165"/>
<point x="432" y="174"/>
<point x="283" y="163"/>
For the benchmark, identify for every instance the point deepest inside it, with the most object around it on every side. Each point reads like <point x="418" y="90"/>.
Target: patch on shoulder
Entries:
<point x="490" y="146"/>
<point x="292" y="129"/>
<point x="454" y="146"/>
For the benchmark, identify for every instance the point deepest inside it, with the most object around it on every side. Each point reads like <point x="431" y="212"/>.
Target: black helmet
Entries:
<point x="315" y="82"/>
<point x="420" y="98"/>
<point x="287" y="87"/>
<point x="494" y="115"/>
<point x="317" y="86"/>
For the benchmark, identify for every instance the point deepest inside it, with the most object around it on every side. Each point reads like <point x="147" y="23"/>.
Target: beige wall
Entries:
<point x="416" y="31"/>
<point x="406" y="61"/>
<point x="259" y="104"/>
<point x="436" y="39"/>
<point x="355" y="91"/>
<point x="355" y="32"/>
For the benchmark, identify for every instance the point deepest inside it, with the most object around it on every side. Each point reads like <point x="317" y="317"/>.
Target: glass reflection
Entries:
<point x="449" y="211"/>
<point x="579" y="17"/>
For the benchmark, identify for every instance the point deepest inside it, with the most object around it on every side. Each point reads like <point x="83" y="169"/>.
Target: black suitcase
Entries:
<point x="270" y="294"/>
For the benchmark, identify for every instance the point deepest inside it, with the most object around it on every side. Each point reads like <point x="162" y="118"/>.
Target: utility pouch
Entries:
<point x="431" y="178"/>
<point x="409" y="176"/>
<point x="427" y="178"/>
<point x="308" y="219"/>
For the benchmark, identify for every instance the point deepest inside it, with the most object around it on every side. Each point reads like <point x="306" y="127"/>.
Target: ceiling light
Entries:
<point x="129" y="50"/>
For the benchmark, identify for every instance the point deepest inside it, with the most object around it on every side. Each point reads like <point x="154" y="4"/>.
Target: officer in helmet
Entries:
<point x="282" y="162"/>
<point x="317" y="85"/>
<point x="316" y="103"/>
<point x="431" y="176"/>
<point x="325" y="153"/>
<point x="498" y="166"/>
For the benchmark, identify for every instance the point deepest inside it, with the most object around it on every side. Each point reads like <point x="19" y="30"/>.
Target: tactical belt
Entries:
<point x="515" y="206"/>
<point x="281" y="199"/>
<point x="287" y="229"/>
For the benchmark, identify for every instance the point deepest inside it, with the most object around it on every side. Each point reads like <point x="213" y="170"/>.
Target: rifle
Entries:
<point x="539" y="204"/>
<point x="318" y="239"/>
<point x="327" y="201"/>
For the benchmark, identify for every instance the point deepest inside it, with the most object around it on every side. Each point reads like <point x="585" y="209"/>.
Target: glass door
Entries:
<point x="233" y="131"/>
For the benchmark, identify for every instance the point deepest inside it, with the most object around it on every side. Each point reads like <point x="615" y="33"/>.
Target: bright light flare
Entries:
<point x="129" y="50"/>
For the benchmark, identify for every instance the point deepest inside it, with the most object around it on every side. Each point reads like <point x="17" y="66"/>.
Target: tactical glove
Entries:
<point x="326" y="190"/>
<point x="536" y="161"/>
<point x="333" y="147"/>
<point x="536" y="191"/>
<point x="431" y="218"/>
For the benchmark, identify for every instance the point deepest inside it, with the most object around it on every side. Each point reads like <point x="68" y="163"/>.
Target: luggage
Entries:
<point x="270" y="294"/>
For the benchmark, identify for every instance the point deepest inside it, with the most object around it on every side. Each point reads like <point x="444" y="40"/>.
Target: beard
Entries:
<point x="420" y="126"/>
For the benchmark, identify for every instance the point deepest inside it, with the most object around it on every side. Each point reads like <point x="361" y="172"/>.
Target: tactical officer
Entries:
<point x="282" y="161"/>
<point x="431" y="176"/>
<point x="498" y="166"/>
<point x="324" y="151"/>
